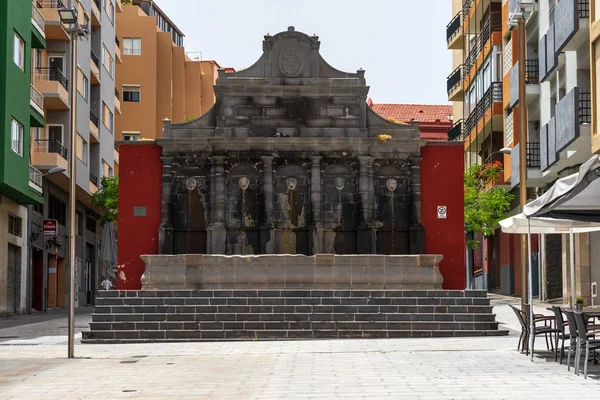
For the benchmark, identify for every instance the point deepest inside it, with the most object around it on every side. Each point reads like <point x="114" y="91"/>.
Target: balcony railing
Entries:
<point x="117" y="94"/>
<point x="37" y="97"/>
<point x="453" y="28"/>
<point x="533" y="155"/>
<point x="493" y="24"/>
<point x="97" y="3"/>
<point x="532" y="71"/>
<point x="116" y="145"/>
<point x="455" y="133"/>
<point x="35" y="176"/>
<point x="37" y="17"/>
<point x="52" y="74"/>
<point x="585" y="107"/>
<point x="50" y="3"/>
<point x="94" y="58"/>
<point x="583" y="8"/>
<point x="94" y="119"/>
<point x="454" y="79"/>
<point x="466" y="6"/>
<point x="93" y="178"/>
<point x="51" y="146"/>
<point x="117" y="41"/>
<point x="492" y="95"/>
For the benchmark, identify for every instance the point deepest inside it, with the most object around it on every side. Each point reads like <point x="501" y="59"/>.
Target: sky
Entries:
<point x="400" y="43"/>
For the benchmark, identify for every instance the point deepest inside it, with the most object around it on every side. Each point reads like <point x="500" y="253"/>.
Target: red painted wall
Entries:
<point x="139" y="186"/>
<point x="442" y="185"/>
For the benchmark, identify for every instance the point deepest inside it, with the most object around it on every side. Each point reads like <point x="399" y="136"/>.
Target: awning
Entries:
<point x="518" y="224"/>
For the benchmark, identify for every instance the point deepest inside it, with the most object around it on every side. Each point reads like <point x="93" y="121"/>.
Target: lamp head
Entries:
<point x="68" y="15"/>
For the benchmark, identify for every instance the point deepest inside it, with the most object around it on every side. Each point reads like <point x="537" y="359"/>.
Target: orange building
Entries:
<point x="156" y="79"/>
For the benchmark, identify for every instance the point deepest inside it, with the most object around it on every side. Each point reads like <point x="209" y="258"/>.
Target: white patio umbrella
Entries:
<point x="109" y="252"/>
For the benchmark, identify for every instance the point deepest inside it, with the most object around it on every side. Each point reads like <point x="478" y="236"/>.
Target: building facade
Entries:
<point x="157" y="79"/>
<point x="21" y="108"/>
<point x="94" y="147"/>
<point x="594" y="81"/>
<point x="434" y="120"/>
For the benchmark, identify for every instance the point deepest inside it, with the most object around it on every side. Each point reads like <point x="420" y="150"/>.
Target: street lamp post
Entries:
<point x="68" y="16"/>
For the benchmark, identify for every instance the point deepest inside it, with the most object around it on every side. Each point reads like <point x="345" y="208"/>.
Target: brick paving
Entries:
<point x="35" y="366"/>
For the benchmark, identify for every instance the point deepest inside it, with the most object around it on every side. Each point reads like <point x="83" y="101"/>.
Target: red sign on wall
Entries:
<point x="50" y="227"/>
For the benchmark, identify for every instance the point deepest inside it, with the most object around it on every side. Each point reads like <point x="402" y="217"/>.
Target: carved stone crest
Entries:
<point x="340" y="183"/>
<point x="391" y="184"/>
<point x="191" y="184"/>
<point x="291" y="183"/>
<point x="291" y="61"/>
<point x="244" y="182"/>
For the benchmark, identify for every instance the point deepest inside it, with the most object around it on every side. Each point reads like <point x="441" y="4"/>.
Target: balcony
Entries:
<point x="492" y="24"/>
<point x="36" y="101"/>
<point x="117" y="101"/>
<point x="118" y="50"/>
<point x="38" y="36"/>
<point x="94" y="127"/>
<point x="54" y="86"/>
<point x="454" y="33"/>
<point x="533" y="159"/>
<point x="35" y="180"/>
<point x="572" y="25"/>
<point x="116" y="152"/>
<point x="94" y="68"/>
<point x="96" y="14"/>
<point x="53" y="28"/>
<point x="454" y="84"/>
<point x="484" y="109"/>
<point x="48" y="153"/>
<point x="455" y="133"/>
<point x="532" y="71"/>
<point x="93" y="183"/>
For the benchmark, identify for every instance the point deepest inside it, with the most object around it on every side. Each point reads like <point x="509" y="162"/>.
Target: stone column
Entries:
<point x="315" y="205"/>
<point x="165" y="230"/>
<point x="366" y="239"/>
<point x="417" y="233"/>
<point x="267" y="234"/>
<point x="219" y="233"/>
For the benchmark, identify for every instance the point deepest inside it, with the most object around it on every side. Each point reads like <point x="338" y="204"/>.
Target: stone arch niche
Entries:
<point x="392" y="202"/>
<point x="340" y="205"/>
<point x="243" y="214"/>
<point x="190" y="211"/>
<point x="291" y="206"/>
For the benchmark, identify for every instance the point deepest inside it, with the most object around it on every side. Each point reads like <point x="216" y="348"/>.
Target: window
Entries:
<point x="55" y="133"/>
<point x="14" y="225"/>
<point x="78" y="223"/>
<point x="106" y="169"/>
<point x="107" y="117"/>
<point x="16" y="136"/>
<point x="131" y="136"/>
<point x="90" y="224"/>
<point x="38" y="209"/>
<point x="132" y="46"/>
<point x="38" y="58"/>
<point x="82" y="84"/>
<point x="57" y="210"/>
<point x="131" y="93"/>
<point x="111" y="12"/>
<point x="18" y="51"/>
<point x="108" y="61"/>
<point x="81" y="149"/>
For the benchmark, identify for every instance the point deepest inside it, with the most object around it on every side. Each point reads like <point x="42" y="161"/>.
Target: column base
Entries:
<point x="366" y="242"/>
<point x="267" y="239"/>
<point x="218" y="239"/>
<point x="417" y="239"/>
<point x="165" y="239"/>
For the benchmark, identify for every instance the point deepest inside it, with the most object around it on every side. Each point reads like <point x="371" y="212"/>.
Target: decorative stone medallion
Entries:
<point x="391" y="184"/>
<point x="291" y="183"/>
<point x="191" y="184"/>
<point x="244" y="182"/>
<point x="291" y="61"/>
<point x="340" y="183"/>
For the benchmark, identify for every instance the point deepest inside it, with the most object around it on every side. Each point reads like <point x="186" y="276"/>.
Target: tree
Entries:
<point x="107" y="197"/>
<point x="485" y="204"/>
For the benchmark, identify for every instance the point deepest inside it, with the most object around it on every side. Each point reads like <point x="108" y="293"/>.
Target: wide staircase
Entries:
<point x="208" y="315"/>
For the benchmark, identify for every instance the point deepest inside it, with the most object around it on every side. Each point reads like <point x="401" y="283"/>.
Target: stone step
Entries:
<point x="241" y="334"/>
<point x="117" y="301"/>
<point x="291" y="293"/>
<point x="308" y="309"/>
<point x="292" y="317"/>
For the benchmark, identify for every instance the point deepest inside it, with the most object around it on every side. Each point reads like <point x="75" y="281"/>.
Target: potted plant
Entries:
<point x="579" y="303"/>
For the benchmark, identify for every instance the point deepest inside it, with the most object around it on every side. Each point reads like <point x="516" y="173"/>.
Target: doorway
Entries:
<point x="554" y="281"/>
<point x="37" y="298"/>
<point x="13" y="295"/>
<point x="90" y="275"/>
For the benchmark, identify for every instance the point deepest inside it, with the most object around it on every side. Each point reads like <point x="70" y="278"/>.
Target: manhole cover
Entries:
<point x="8" y="337"/>
<point x="129" y="361"/>
<point x="129" y="390"/>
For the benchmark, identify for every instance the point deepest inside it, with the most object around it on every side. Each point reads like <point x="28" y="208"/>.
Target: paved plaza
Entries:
<point x="33" y="365"/>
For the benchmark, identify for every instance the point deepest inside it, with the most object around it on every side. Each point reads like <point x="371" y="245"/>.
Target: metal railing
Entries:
<point x="94" y="119"/>
<point x="93" y="178"/>
<point x="465" y="8"/>
<point x="51" y="146"/>
<point x="116" y="145"/>
<point x="532" y="71"/>
<point x="585" y="107"/>
<point x="117" y="94"/>
<point x="52" y="74"/>
<point x="453" y="28"/>
<point x="49" y="3"/>
<point x="94" y="58"/>
<point x="454" y="79"/>
<point x="583" y="8"/>
<point x="37" y="17"/>
<point x="492" y="24"/>
<point x="97" y="3"/>
<point x="117" y="41"/>
<point x="492" y="95"/>
<point x="455" y="133"/>
<point x="533" y="155"/>
<point x="35" y="176"/>
<point x="37" y="97"/>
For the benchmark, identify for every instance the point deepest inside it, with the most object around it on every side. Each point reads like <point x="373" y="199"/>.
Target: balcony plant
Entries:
<point x="579" y="303"/>
<point x="484" y="204"/>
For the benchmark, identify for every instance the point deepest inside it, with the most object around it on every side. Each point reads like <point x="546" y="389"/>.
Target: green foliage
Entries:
<point x="190" y="119"/>
<point x="127" y="2"/>
<point x="485" y="206"/>
<point x="579" y="300"/>
<point x="107" y="197"/>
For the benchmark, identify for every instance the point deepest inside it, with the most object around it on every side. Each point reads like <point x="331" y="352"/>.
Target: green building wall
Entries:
<point x="15" y="16"/>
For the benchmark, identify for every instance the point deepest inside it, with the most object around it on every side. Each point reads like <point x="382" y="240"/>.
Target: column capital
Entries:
<point x="166" y="160"/>
<point x="365" y="160"/>
<point x="218" y="160"/>
<point x="267" y="158"/>
<point x="316" y="159"/>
